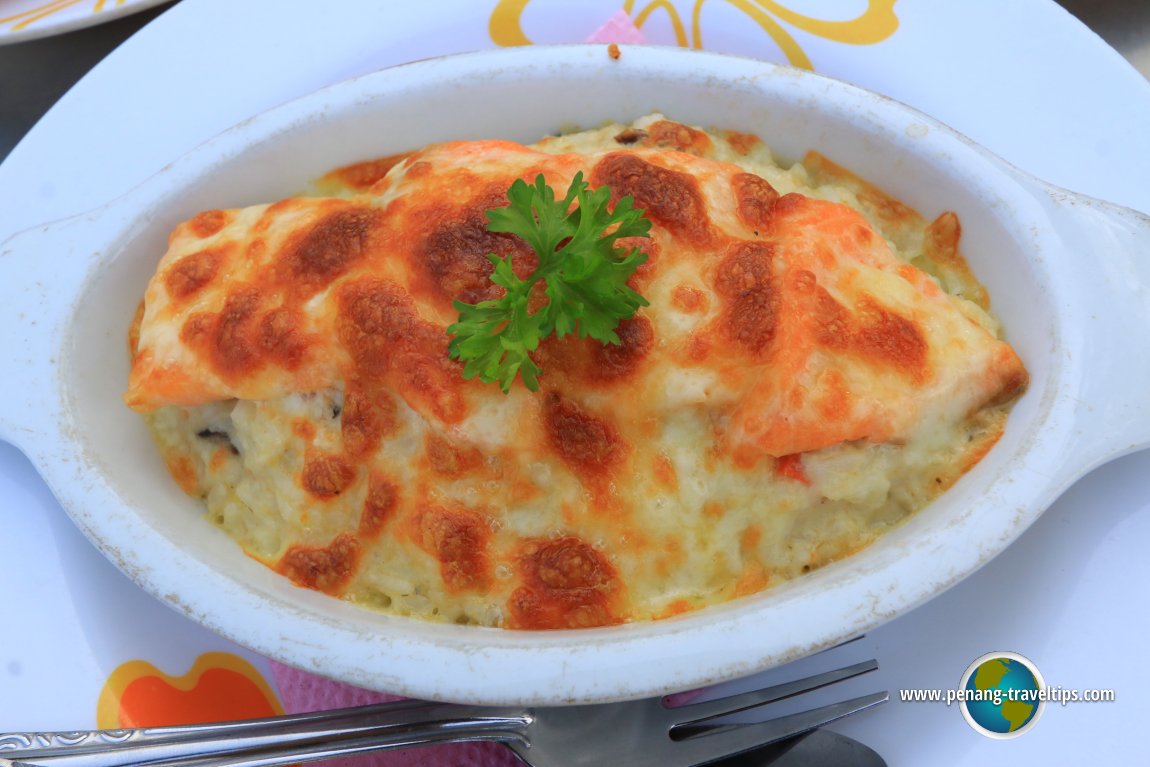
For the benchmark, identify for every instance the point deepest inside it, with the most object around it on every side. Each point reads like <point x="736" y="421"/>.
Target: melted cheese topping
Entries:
<point x="794" y="388"/>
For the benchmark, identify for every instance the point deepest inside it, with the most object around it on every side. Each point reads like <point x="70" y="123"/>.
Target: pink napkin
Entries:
<point x="302" y="692"/>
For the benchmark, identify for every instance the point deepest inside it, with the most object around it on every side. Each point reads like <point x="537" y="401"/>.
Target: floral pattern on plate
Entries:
<point x="687" y="21"/>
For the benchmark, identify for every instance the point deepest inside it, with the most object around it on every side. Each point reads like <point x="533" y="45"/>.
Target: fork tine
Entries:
<point x="694" y="713"/>
<point x="724" y="741"/>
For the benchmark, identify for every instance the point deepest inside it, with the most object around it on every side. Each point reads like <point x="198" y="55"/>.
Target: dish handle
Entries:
<point x="1109" y="248"/>
<point x="42" y="270"/>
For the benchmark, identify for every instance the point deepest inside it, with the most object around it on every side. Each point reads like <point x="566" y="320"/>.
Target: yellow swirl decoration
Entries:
<point x="873" y="25"/>
<point x="506" y="26"/>
<point x="660" y="5"/>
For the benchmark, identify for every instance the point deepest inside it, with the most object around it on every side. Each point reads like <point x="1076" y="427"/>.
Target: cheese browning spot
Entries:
<point x="453" y="256"/>
<point x="754" y="197"/>
<point x="196" y="328"/>
<point x="451" y="459"/>
<point x="566" y="584"/>
<point x="689" y="299"/>
<point x="616" y="361"/>
<point x="209" y="222"/>
<point x="891" y="338"/>
<point x="584" y="441"/>
<point x="233" y="349"/>
<point x="379" y="506"/>
<point x="874" y="333"/>
<point x="590" y="360"/>
<point x="744" y="279"/>
<point x="672" y="135"/>
<point x="367" y="417"/>
<point x="376" y="318"/>
<point x="459" y="540"/>
<point x="318" y="255"/>
<point x="669" y="197"/>
<point x="322" y="568"/>
<point x="431" y="383"/>
<point x="281" y="339"/>
<point x="191" y="273"/>
<point x="326" y="476"/>
<point x="239" y="340"/>
<point x="743" y="143"/>
<point x="569" y="564"/>
<point x="746" y="268"/>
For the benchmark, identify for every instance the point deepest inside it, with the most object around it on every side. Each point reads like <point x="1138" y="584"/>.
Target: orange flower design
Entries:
<point x="220" y="686"/>
<point x="873" y="25"/>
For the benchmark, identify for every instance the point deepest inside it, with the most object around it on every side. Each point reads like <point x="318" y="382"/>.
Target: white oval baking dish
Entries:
<point x="1066" y="275"/>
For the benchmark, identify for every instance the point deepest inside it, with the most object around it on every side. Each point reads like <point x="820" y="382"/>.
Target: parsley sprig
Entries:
<point x="584" y="272"/>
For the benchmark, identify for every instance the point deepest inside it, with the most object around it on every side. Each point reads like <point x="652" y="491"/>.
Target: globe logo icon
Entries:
<point x="1002" y="695"/>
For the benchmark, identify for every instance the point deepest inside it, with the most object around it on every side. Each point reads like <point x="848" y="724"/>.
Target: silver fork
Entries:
<point x="641" y="733"/>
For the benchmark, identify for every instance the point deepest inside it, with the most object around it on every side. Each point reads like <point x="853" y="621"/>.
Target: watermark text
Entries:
<point x="997" y="696"/>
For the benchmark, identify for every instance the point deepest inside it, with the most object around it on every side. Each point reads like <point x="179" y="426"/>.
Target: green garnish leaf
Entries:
<point x="583" y="270"/>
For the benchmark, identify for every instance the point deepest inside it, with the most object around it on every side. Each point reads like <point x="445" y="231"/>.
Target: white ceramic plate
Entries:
<point x="29" y="19"/>
<point x="1057" y="595"/>
<point x="1039" y="245"/>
